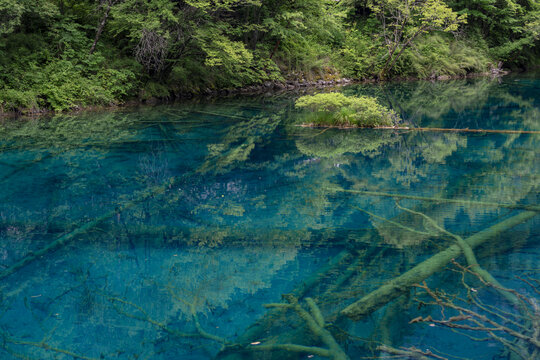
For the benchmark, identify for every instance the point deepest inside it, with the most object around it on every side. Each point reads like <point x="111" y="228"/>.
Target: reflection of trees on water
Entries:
<point x="203" y="278"/>
<point x="476" y="104"/>
<point x="167" y="270"/>
<point x="414" y="159"/>
<point x="397" y="162"/>
<point x="215" y="276"/>
<point x="336" y="144"/>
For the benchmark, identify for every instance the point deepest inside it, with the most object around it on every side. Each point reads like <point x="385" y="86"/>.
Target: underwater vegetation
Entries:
<point x="221" y="230"/>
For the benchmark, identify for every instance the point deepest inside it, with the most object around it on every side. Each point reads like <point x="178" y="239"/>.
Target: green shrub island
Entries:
<point x="336" y="109"/>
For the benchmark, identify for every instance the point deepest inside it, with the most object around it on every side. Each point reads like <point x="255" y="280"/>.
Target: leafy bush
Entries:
<point x="360" y="53"/>
<point x="62" y="76"/>
<point x="336" y="109"/>
<point x="12" y="100"/>
<point x="53" y="56"/>
<point x="154" y="89"/>
<point x="442" y="55"/>
<point x="66" y="84"/>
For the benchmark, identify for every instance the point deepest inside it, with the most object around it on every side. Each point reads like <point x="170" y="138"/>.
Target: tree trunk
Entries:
<point x="401" y="284"/>
<point x="392" y="59"/>
<point x="101" y="26"/>
<point x="275" y="48"/>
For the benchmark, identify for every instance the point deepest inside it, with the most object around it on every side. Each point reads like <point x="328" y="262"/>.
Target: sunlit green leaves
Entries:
<point x="403" y="21"/>
<point x="336" y="109"/>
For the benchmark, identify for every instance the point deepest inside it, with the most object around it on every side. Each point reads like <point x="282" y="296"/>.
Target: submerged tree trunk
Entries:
<point x="377" y="298"/>
<point x="63" y="240"/>
<point x="399" y="285"/>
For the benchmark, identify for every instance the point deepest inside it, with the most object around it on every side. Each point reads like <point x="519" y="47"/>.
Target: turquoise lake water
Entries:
<point x="162" y="233"/>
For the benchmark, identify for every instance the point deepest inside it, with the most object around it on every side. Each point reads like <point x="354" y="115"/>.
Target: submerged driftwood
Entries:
<point x="401" y="284"/>
<point x="376" y="299"/>
<point x="315" y="322"/>
<point x="259" y="329"/>
<point x="346" y="259"/>
<point x="63" y="240"/>
<point x="212" y="163"/>
<point x="439" y="200"/>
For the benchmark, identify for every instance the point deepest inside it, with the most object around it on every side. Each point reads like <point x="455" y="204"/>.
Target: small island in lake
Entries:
<point x="338" y="110"/>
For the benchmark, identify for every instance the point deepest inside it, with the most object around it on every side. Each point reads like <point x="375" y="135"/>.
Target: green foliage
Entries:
<point x="358" y="56"/>
<point x="67" y="54"/>
<point x="10" y="15"/>
<point x="438" y="55"/>
<point x="231" y="58"/>
<point x="336" y="109"/>
<point x="14" y="12"/>
<point x="302" y="34"/>
<point x="12" y="100"/>
<point x="154" y="89"/>
<point x="54" y="70"/>
<point x="403" y="21"/>
<point x="67" y="85"/>
<point x="510" y="28"/>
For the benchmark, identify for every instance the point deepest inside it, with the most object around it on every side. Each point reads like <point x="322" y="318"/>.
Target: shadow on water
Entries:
<point x="222" y="230"/>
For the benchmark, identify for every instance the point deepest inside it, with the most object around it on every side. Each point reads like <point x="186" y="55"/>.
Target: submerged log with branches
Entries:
<point x="401" y="284"/>
<point x="517" y="331"/>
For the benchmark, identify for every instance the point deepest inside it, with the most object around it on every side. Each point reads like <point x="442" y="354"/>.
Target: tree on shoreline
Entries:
<point x="403" y="21"/>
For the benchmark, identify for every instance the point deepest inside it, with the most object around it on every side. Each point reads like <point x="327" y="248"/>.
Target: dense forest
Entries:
<point x="66" y="54"/>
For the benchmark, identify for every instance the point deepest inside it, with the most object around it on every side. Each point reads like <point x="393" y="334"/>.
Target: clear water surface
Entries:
<point x="166" y="232"/>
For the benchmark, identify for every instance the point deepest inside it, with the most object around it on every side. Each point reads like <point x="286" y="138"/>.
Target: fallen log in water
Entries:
<point x="399" y="285"/>
<point x="315" y="323"/>
<point x="261" y="328"/>
<point x="495" y="131"/>
<point x="377" y="298"/>
<point x="342" y="263"/>
<point x="439" y="200"/>
<point x="62" y="240"/>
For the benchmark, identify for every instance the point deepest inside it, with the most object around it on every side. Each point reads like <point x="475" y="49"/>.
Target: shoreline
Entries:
<point x="268" y="87"/>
